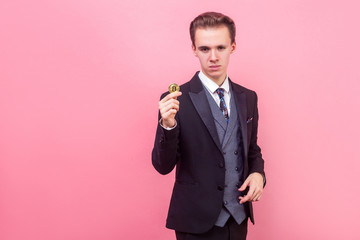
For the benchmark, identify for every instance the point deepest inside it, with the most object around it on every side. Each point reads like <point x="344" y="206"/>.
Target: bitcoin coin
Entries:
<point x="174" y="88"/>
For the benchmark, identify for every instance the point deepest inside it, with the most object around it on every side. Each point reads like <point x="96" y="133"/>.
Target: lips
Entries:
<point x="214" y="67"/>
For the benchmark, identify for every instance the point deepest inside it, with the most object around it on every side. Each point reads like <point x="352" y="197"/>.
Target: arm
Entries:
<point x="256" y="162"/>
<point x="256" y="179"/>
<point x="164" y="154"/>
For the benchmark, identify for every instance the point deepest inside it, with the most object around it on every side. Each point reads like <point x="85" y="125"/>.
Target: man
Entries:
<point x="209" y="132"/>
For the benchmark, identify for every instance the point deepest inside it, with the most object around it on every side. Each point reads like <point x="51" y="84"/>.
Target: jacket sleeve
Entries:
<point x="164" y="153"/>
<point x="256" y="162"/>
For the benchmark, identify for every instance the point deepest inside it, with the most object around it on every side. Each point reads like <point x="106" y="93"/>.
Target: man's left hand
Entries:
<point x="255" y="182"/>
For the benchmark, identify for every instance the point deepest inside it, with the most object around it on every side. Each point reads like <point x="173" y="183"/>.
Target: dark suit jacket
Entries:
<point x="194" y="148"/>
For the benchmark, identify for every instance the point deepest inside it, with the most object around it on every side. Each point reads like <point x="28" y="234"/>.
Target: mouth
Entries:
<point x="214" y="67"/>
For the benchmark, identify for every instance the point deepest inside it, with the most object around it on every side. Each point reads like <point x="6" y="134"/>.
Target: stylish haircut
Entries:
<point x="212" y="19"/>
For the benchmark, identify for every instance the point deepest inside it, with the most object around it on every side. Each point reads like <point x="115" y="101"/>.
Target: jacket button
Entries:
<point x="220" y="188"/>
<point x="224" y="152"/>
<point x="221" y="165"/>
<point x="236" y="152"/>
<point x="225" y="202"/>
<point x="237" y="169"/>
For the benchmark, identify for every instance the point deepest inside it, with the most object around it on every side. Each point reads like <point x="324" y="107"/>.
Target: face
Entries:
<point x="213" y="48"/>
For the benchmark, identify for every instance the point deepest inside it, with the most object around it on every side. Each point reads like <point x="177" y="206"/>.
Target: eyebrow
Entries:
<point x="221" y="45"/>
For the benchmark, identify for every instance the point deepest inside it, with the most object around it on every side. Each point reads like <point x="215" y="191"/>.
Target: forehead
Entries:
<point x="212" y="36"/>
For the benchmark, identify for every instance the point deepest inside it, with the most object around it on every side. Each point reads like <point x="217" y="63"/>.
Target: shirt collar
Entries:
<point x="211" y="85"/>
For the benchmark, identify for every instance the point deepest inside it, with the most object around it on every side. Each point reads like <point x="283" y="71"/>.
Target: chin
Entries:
<point x="215" y="75"/>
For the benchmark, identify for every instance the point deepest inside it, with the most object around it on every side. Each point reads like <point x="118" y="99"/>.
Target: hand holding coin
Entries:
<point x="169" y="106"/>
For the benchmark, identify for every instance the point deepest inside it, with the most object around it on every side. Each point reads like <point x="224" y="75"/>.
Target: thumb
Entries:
<point x="245" y="184"/>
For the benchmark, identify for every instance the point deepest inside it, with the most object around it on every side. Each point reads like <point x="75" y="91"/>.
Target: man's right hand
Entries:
<point x="168" y="107"/>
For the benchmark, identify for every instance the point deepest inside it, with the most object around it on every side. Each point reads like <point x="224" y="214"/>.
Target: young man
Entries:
<point x="209" y="132"/>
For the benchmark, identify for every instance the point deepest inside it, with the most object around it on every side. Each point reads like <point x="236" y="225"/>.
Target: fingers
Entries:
<point x="257" y="197"/>
<point x="242" y="188"/>
<point x="169" y="102"/>
<point x="254" y="193"/>
<point x="169" y="96"/>
<point x="248" y="197"/>
<point x="170" y="114"/>
<point x="245" y="184"/>
<point x="169" y="108"/>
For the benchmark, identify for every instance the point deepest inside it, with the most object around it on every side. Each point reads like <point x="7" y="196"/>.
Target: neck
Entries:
<point x="219" y="81"/>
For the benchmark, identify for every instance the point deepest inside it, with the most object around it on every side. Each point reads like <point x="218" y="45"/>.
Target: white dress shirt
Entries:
<point x="211" y="86"/>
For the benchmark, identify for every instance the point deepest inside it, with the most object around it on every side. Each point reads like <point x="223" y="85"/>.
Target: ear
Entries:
<point x="194" y="49"/>
<point x="233" y="47"/>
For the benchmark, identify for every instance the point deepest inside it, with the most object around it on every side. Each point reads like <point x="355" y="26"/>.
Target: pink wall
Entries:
<point x="79" y="85"/>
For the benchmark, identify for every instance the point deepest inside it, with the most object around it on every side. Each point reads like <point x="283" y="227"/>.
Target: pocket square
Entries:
<point x="249" y="119"/>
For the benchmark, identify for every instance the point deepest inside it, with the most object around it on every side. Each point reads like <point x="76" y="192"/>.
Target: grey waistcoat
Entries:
<point x="230" y="140"/>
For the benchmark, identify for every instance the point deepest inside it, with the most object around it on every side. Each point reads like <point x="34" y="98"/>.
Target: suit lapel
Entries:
<point x="198" y="98"/>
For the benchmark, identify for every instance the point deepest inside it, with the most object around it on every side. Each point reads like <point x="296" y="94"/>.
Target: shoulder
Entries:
<point x="185" y="88"/>
<point x="241" y="89"/>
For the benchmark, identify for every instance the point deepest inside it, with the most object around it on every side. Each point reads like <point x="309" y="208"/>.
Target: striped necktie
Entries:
<point x="223" y="108"/>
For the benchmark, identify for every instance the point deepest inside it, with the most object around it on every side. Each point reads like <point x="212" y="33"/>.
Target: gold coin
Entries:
<point x="174" y="88"/>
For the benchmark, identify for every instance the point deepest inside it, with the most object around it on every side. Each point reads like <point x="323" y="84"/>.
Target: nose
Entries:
<point x="213" y="56"/>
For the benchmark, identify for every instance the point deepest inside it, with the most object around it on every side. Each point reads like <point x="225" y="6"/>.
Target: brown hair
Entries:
<point x="212" y="19"/>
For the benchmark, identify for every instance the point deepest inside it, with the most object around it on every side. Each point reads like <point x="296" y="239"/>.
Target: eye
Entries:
<point x="204" y="49"/>
<point x="221" y="48"/>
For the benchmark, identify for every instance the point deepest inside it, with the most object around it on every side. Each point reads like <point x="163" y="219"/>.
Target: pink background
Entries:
<point x="79" y="86"/>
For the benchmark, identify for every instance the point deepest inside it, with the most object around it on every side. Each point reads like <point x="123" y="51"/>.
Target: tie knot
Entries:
<point x="220" y="92"/>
